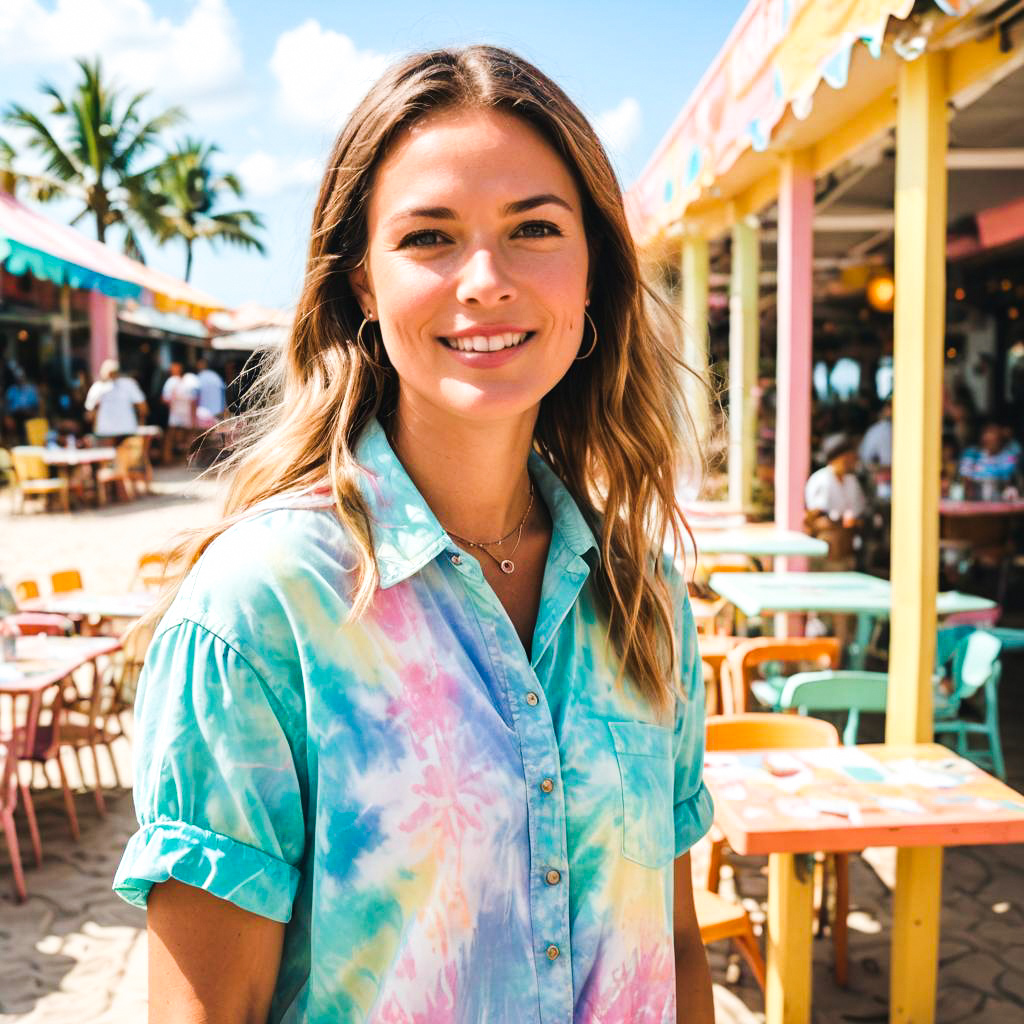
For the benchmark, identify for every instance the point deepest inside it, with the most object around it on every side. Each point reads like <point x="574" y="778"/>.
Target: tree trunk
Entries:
<point x="188" y="259"/>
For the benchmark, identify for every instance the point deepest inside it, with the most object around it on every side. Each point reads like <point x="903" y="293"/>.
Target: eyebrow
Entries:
<point x="509" y="210"/>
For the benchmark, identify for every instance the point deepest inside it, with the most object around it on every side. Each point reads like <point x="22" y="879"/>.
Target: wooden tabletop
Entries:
<point x="72" y="456"/>
<point x="44" y="660"/>
<point x="849" y="798"/>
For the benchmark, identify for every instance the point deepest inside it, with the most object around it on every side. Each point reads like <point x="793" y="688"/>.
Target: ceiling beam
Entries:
<point x="985" y="159"/>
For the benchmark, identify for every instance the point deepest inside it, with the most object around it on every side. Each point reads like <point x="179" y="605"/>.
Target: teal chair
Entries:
<point x="973" y="668"/>
<point x="813" y="692"/>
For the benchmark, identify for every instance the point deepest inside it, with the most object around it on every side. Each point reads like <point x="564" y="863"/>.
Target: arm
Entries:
<point x="209" y="961"/>
<point x="693" y="977"/>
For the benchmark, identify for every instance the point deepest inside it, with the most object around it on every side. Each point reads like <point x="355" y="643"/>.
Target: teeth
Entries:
<point x="480" y="343"/>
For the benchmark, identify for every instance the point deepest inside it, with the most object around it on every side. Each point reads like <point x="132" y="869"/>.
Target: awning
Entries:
<point x="774" y="60"/>
<point x="56" y="252"/>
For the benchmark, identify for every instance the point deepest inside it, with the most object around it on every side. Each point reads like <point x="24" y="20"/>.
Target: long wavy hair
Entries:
<point x="616" y="429"/>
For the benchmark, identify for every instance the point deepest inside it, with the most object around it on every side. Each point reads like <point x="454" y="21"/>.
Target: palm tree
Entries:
<point x="185" y="189"/>
<point x="92" y="149"/>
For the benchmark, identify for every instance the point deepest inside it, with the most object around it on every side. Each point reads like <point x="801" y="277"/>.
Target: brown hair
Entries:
<point x="612" y="429"/>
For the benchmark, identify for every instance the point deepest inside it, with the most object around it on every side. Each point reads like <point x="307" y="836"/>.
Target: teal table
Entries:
<point x="852" y="593"/>
<point x="758" y="542"/>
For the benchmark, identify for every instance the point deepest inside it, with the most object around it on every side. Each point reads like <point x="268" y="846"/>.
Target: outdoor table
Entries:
<point x="971" y="524"/>
<point x="66" y="459"/>
<point x="856" y="593"/>
<point x="789" y="803"/>
<point x="757" y="541"/>
<point x="43" y="661"/>
<point x="132" y="605"/>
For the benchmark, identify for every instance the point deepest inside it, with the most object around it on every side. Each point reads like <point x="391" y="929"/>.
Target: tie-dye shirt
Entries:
<point x="453" y="831"/>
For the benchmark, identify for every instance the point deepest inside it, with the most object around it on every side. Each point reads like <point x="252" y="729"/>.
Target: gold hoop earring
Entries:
<point x="374" y="356"/>
<point x="593" y="344"/>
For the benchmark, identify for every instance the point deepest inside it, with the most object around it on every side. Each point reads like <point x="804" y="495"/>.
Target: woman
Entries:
<point x="420" y="736"/>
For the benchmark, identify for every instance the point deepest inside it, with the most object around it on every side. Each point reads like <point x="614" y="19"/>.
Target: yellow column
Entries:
<point x="744" y="324"/>
<point x="696" y="275"/>
<point x="788" y="982"/>
<point x="919" y="328"/>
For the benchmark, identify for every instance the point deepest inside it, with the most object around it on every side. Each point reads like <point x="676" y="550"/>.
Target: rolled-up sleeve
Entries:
<point x="693" y="807"/>
<point x="218" y="791"/>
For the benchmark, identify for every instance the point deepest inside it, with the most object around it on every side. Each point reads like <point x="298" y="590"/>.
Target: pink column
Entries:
<point x="102" y="330"/>
<point x="793" y="360"/>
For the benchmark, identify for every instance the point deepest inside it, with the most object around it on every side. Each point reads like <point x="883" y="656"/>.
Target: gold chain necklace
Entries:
<point x="506" y="565"/>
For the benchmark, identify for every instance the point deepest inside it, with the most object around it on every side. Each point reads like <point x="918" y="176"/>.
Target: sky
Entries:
<point x="271" y="84"/>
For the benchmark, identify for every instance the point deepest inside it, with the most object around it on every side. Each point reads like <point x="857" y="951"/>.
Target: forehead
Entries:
<point x="466" y="155"/>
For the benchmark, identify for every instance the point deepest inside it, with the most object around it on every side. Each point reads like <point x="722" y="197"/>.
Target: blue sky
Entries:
<point x="270" y="83"/>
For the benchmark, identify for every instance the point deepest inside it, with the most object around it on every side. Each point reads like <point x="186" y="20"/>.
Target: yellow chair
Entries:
<point x="761" y="730"/>
<point x="32" y="477"/>
<point x="26" y="590"/>
<point x="36" y="430"/>
<point x="66" y="581"/>
<point x="151" y="571"/>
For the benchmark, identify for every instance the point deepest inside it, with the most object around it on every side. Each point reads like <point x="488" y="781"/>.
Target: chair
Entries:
<point x="853" y="692"/>
<point x="719" y="919"/>
<point x="757" y="731"/>
<point x="713" y="651"/>
<point x="151" y="571"/>
<point x="6" y="469"/>
<point x="66" y="581"/>
<point x="740" y="663"/>
<point x="26" y="590"/>
<point x="132" y="451"/>
<point x="975" y="668"/>
<point x="118" y="476"/>
<point x="33" y="479"/>
<point x="36" y="430"/>
<point x="10" y="783"/>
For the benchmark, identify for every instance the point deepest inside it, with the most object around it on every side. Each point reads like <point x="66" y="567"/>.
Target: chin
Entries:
<point x="497" y="401"/>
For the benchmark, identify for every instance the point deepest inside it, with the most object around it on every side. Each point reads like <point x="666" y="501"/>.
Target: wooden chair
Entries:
<point x="738" y="671"/>
<point x="719" y="919"/>
<point x="133" y="452"/>
<point x="10" y="784"/>
<point x="26" y="590"/>
<point x="66" y="581"/>
<point x="151" y="570"/>
<point x="713" y="651"/>
<point x="32" y="477"/>
<point x="757" y="731"/>
<point x="7" y="473"/>
<point x="36" y="430"/>
<point x="118" y="477"/>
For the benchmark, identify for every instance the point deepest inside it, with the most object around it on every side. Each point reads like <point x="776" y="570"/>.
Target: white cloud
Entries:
<point x="321" y="74"/>
<point x="620" y="126"/>
<point x="197" y="60"/>
<point x="264" y="174"/>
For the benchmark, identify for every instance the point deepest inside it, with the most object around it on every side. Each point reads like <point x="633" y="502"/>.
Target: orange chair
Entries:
<point x="713" y="649"/>
<point x="66" y="581"/>
<point x="742" y="660"/>
<point x="151" y="571"/>
<point x="760" y="730"/>
<point x="10" y="784"/>
<point x="719" y="919"/>
<point x="26" y="590"/>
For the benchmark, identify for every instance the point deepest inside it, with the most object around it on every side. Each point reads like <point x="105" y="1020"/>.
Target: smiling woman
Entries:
<point x="420" y="734"/>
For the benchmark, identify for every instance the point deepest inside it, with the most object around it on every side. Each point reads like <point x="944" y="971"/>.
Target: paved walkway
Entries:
<point x="76" y="953"/>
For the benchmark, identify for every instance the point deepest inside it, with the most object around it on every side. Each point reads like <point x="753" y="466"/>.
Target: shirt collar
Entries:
<point x="407" y="534"/>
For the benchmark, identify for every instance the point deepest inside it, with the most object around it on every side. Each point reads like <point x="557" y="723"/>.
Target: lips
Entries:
<point x="488" y="343"/>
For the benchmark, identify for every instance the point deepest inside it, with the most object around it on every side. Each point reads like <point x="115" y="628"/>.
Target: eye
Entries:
<point x="538" y="229"/>
<point x="421" y="239"/>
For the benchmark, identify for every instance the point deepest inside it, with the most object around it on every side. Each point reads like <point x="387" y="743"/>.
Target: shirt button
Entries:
<point x="552" y="952"/>
<point x="553" y="877"/>
<point x="547" y="785"/>
<point x="532" y="699"/>
<point x="456" y="559"/>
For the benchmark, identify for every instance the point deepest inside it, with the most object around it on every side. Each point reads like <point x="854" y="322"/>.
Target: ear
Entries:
<point x="359" y="282"/>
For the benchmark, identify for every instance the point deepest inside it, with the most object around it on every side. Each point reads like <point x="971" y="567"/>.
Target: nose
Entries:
<point x="483" y="281"/>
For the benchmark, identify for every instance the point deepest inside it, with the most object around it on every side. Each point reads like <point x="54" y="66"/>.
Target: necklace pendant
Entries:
<point x="507" y="566"/>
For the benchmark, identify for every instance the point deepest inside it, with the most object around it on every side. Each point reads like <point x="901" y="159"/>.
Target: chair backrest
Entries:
<point x="975" y="661"/>
<point x="152" y="569"/>
<point x="758" y="730"/>
<point x="26" y="590"/>
<point x="29" y="465"/>
<point x="129" y="454"/>
<point x="835" y="691"/>
<point x="36" y="430"/>
<point x="744" y="658"/>
<point x="6" y="466"/>
<point x="65" y="581"/>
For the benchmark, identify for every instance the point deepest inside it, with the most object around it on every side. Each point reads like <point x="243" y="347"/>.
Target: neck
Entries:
<point x="472" y="475"/>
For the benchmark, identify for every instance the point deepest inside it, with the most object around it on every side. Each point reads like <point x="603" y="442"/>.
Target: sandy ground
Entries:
<point x="75" y="953"/>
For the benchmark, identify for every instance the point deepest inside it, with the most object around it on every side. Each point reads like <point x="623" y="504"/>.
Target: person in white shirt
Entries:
<point x="211" y="391"/>
<point x="876" y="447"/>
<point x="834" y="490"/>
<point x="181" y="396"/>
<point x="115" y="403"/>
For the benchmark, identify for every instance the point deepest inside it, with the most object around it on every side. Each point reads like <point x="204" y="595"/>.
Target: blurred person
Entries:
<point x="180" y="394"/>
<point x="211" y="391"/>
<point x="115" y="404"/>
<point x="21" y="403"/>
<point x="993" y="464"/>
<point x="834" y="490"/>
<point x="432" y="665"/>
<point x="876" y="446"/>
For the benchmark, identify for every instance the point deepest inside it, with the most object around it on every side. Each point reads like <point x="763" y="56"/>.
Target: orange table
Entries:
<point x="788" y="803"/>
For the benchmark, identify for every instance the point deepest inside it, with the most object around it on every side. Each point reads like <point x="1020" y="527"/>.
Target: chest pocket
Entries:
<point x="644" y="753"/>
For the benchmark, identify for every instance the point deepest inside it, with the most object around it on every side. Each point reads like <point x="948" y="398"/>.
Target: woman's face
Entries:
<point x="476" y="266"/>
